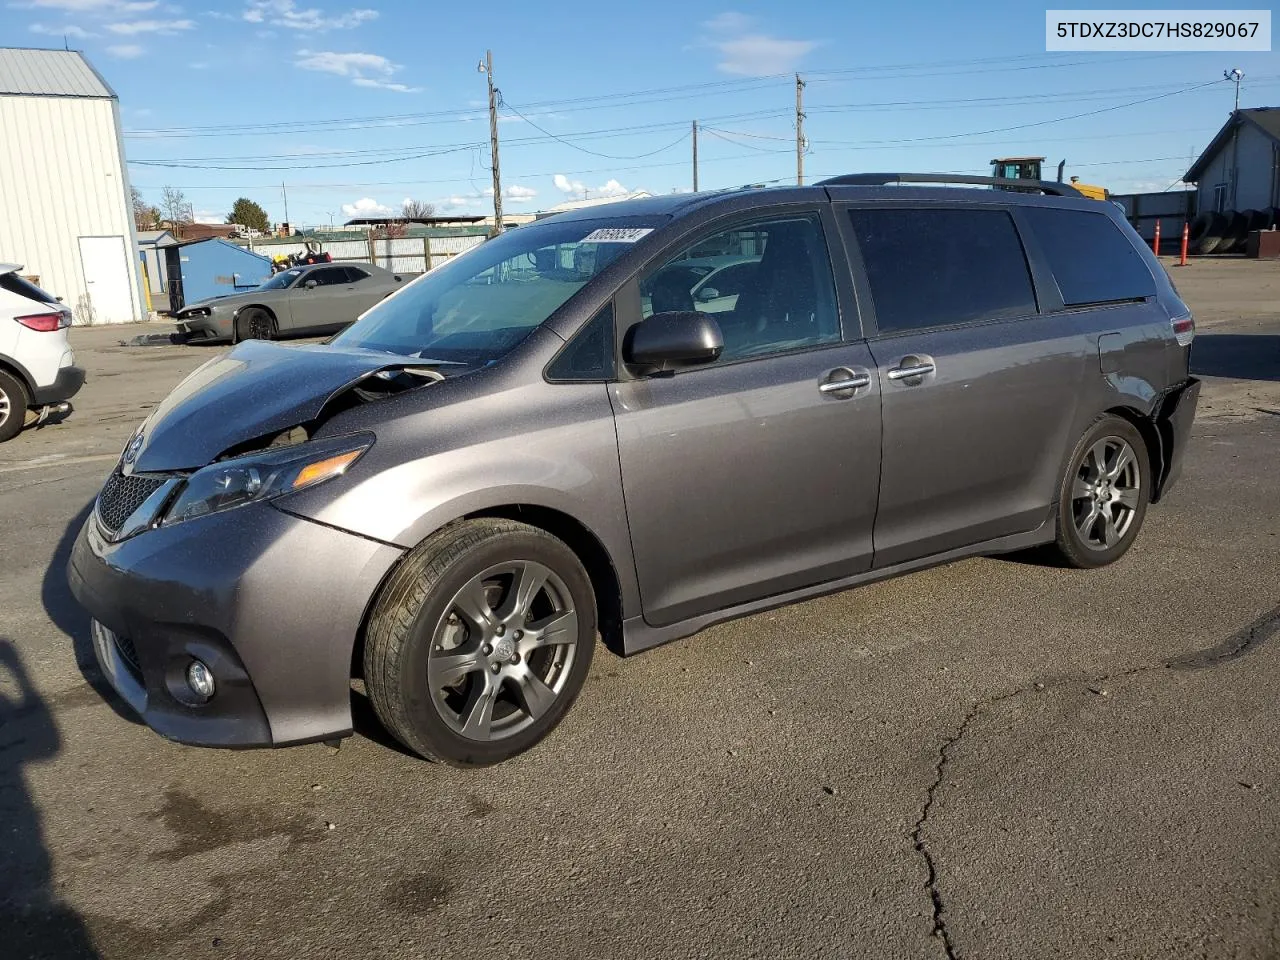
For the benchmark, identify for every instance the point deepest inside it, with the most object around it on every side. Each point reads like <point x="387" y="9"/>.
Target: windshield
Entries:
<point x="281" y="280"/>
<point x="479" y="306"/>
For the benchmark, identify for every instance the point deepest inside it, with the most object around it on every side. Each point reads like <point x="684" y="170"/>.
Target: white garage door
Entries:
<point x="107" y="278"/>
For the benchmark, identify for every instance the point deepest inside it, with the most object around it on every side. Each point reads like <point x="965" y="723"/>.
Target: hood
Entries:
<point x="256" y="390"/>
<point x="253" y="294"/>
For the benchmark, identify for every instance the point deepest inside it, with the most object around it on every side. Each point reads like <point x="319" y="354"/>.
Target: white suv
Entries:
<point x="37" y="367"/>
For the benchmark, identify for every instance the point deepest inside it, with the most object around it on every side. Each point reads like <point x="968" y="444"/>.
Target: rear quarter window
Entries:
<point x="24" y="288"/>
<point x="1091" y="258"/>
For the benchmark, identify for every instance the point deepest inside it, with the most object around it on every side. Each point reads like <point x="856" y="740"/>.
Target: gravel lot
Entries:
<point x="991" y="759"/>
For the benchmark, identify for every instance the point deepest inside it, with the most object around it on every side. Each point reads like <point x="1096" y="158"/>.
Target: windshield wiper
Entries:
<point x="438" y="363"/>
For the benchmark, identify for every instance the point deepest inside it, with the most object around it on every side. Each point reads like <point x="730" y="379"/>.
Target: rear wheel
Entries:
<point x="480" y="641"/>
<point x="13" y="405"/>
<point x="1104" y="494"/>
<point x="255" y="324"/>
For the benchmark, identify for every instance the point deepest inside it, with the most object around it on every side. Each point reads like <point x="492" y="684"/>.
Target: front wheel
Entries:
<point x="255" y="324"/>
<point x="480" y="641"/>
<point x="1104" y="494"/>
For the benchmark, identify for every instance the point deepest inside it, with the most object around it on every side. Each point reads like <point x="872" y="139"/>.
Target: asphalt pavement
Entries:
<point x="992" y="759"/>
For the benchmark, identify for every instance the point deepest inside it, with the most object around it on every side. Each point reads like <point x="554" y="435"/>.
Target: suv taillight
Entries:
<point x="1184" y="329"/>
<point x="45" y="322"/>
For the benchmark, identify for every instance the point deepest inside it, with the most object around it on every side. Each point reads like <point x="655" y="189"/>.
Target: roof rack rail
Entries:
<point x="885" y="179"/>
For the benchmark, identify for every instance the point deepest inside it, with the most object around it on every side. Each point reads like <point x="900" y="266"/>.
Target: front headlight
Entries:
<point x="264" y="475"/>
<point x="195" y="312"/>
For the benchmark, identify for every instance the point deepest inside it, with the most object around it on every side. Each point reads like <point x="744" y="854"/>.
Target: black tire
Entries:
<point x="14" y="401"/>
<point x="254" y="323"/>
<point x="1237" y="229"/>
<point x="416" y="604"/>
<point x="1206" y="232"/>
<point x="1072" y="546"/>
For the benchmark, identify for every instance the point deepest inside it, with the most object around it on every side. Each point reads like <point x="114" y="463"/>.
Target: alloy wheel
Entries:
<point x="502" y="650"/>
<point x="6" y="408"/>
<point x="1105" y="492"/>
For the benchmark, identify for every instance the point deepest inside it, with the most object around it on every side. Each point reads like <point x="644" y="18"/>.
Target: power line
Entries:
<point x="617" y="99"/>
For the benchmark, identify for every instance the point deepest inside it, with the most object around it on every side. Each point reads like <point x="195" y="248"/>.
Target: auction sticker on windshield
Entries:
<point x="617" y="234"/>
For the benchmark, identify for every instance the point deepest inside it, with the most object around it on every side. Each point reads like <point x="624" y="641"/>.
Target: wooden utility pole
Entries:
<point x="799" y="131"/>
<point x="695" y="156"/>
<point x="493" y="143"/>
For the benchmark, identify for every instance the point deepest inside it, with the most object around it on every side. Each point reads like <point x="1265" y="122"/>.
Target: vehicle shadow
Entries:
<point x="1243" y="356"/>
<point x="34" y="922"/>
<point x="69" y="617"/>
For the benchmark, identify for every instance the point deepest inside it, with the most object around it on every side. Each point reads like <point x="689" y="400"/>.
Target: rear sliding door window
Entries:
<point x="1091" y="259"/>
<point x="932" y="268"/>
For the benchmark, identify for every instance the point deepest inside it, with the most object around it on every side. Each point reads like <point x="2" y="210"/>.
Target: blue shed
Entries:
<point x="211" y="267"/>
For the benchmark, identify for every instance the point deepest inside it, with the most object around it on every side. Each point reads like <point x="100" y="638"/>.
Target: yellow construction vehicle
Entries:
<point x="1030" y="168"/>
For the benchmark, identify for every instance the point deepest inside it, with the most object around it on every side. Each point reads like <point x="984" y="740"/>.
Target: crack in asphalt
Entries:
<point x="1243" y="641"/>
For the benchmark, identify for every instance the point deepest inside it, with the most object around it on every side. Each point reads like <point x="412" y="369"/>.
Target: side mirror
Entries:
<point x="311" y="284"/>
<point x="707" y="293"/>
<point x="666" y="341"/>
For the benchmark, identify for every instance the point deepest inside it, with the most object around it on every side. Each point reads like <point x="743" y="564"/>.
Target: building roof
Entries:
<point x="156" y="237"/>
<point x="1266" y="119"/>
<point x="25" y="72"/>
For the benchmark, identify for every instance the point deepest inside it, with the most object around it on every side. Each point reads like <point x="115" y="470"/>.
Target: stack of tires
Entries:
<point x="1229" y="232"/>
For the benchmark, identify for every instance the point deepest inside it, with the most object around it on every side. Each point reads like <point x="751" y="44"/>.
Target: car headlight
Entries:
<point x="264" y="475"/>
<point x="195" y="312"/>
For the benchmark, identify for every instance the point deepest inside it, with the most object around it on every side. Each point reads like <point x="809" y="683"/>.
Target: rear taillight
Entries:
<point x="45" y="322"/>
<point x="1184" y="329"/>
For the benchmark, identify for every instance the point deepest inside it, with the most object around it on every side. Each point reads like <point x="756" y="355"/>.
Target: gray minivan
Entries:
<point x="549" y="438"/>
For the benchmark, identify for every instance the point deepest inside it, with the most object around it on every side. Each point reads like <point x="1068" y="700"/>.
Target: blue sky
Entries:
<point x="358" y="106"/>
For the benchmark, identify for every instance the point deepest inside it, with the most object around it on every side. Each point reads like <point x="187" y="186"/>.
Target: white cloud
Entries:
<point x="576" y="188"/>
<point x="125" y="51"/>
<point x="752" y="54"/>
<point x="385" y="85"/>
<point x="363" y="69"/>
<point x="515" y="193"/>
<point x="285" y="13"/>
<point x="70" y="30"/>
<point x="132" y="28"/>
<point x="345" y="64"/>
<point x="366" y="207"/>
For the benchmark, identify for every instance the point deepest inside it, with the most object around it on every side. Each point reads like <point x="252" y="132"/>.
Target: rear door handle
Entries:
<point x="909" y="367"/>
<point x="843" y="380"/>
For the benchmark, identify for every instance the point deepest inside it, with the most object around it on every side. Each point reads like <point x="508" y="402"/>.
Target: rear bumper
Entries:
<point x="1174" y="423"/>
<point x="271" y="603"/>
<point x="65" y="386"/>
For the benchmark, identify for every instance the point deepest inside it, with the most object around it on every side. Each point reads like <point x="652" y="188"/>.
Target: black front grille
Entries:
<point x="121" y="496"/>
<point x="129" y="654"/>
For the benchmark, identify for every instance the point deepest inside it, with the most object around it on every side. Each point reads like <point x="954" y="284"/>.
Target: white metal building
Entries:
<point x="64" y="191"/>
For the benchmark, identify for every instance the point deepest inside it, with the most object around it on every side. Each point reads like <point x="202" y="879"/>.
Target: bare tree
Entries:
<point x="141" y="210"/>
<point x="417" y="210"/>
<point x="175" y="207"/>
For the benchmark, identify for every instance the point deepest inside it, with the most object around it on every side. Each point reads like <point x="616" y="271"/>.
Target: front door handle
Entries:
<point x="912" y="366"/>
<point x="843" y="380"/>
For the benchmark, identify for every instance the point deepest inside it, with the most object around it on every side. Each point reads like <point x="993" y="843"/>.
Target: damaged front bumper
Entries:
<point x="270" y="602"/>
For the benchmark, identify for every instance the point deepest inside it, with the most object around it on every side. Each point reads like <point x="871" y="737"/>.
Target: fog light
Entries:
<point x="200" y="680"/>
